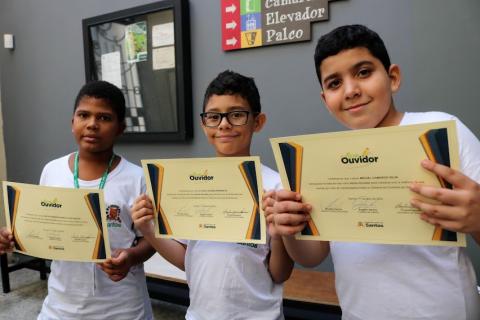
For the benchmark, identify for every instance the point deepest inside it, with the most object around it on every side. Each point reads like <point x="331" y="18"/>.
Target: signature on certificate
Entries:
<point x="184" y="211"/>
<point x="235" y="213"/>
<point x="34" y="235"/>
<point x="204" y="210"/>
<point x="364" y="204"/>
<point x="336" y="205"/>
<point x="83" y="238"/>
<point x="406" y="208"/>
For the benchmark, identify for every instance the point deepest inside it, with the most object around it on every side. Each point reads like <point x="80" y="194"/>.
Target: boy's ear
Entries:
<point x="322" y="95"/>
<point x="121" y="128"/>
<point x="260" y="121"/>
<point x="202" y="125"/>
<point x="204" y="129"/>
<point x="395" y="76"/>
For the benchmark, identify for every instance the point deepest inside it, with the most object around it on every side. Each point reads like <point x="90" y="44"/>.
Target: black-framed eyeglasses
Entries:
<point x="235" y="118"/>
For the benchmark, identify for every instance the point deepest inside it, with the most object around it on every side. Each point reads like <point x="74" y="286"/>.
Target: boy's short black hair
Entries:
<point x="350" y="37"/>
<point x="231" y="83"/>
<point x="106" y="91"/>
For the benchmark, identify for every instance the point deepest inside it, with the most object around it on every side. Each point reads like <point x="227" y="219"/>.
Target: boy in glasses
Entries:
<point x="227" y="280"/>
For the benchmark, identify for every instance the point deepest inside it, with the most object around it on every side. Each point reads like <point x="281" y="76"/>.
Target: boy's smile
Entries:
<point x="357" y="89"/>
<point x="232" y="140"/>
<point x="222" y="137"/>
<point x="95" y="125"/>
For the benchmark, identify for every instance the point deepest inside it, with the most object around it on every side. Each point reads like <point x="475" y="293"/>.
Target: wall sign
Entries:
<point x="255" y="23"/>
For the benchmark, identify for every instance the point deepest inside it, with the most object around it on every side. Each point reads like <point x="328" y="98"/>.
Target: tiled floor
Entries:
<point x="28" y="291"/>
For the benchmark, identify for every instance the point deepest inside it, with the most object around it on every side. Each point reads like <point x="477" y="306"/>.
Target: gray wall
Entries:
<point x="436" y="43"/>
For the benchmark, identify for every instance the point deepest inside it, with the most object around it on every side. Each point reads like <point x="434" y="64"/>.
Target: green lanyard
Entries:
<point x="104" y="177"/>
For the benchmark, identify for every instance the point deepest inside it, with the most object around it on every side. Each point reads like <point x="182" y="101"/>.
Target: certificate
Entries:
<point x="358" y="181"/>
<point x="57" y="223"/>
<point x="216" y="199"/>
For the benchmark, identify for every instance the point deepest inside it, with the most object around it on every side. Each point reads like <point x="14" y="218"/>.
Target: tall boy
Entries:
<point x="227" y="280"/>
<point x="78" y="290"/>
<point x="376" y="281"/>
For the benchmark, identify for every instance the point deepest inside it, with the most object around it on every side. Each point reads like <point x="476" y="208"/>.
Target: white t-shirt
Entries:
<point x="395" y="282"/>
<point x="81" y="290"/>
<point x="231" y="280"/>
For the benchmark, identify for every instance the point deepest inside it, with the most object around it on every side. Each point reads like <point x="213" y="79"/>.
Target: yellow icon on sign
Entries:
<point x="251" y="38"/>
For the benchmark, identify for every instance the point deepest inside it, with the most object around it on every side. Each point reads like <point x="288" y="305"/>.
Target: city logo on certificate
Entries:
<point x="207" y="226"/>
<point x="369" y="224"/>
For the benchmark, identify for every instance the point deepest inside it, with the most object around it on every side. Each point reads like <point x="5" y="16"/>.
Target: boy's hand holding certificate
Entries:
<point x="358" y="181"/>
<point x="213" y="199"/>
<point x="57" y="223"/>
